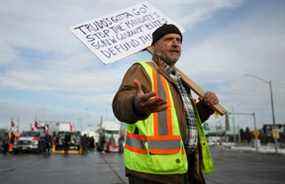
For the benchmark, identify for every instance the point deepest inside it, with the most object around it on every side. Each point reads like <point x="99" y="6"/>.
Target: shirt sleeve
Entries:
<point x="123" y="101"/>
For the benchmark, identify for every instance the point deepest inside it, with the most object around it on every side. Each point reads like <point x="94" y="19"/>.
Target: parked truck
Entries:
<point x="29" y="141"/>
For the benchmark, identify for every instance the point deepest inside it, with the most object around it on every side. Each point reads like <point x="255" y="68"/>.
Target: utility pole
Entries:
<point x="273" y="117"/>
<point x="234" y="131"/>
<point x="255" y="132"/>
<point x="239" y="138"/>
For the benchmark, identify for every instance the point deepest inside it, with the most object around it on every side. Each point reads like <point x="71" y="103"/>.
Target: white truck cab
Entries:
<point x="29" y="141"/>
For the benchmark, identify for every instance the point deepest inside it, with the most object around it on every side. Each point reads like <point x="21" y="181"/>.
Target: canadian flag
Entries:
<point x="35" y="126"/>
<point x="12" y="123"/>
<point x="13" y="127"/>
<point x="71" y="127"/>
<point x="46" y="129"/>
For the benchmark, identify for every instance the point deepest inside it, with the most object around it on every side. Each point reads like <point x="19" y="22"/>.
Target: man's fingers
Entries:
<point x="147" y="101"/>
<point x="140" y="101"/>
<point x="155" y="104"/>
<point x="211" y="99"/>
<point x="143" y="96"/>
<point x="154" y="101"/>
<point x="159" y="108"/>
<point x="147" y="96"/>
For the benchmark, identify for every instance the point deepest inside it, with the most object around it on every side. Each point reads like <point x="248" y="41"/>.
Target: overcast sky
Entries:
<point x="48" y="74"/>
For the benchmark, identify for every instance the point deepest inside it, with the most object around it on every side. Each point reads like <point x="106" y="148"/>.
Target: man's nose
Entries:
<point x="175" y="43"/>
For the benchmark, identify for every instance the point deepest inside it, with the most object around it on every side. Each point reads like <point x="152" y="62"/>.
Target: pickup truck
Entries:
<point x="29" y="141"/>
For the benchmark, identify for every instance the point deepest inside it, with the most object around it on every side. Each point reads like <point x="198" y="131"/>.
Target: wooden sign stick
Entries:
<point x="196" y="88"/>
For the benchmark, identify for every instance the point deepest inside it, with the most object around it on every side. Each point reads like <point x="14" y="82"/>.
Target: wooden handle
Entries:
<point x="199" y="91"/>
<point x="196" y="88"/>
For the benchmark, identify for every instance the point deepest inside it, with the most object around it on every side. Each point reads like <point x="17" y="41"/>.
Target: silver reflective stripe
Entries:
<point x="172" y="144"/>
<point x="135" y="143"/>
<point x="162" y="116"/>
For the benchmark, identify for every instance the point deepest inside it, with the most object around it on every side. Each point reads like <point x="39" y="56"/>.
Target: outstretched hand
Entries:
<point x="147" y="102"/>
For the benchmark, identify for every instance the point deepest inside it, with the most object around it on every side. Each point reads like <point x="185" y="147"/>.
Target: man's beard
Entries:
<point x="164" y="58"/>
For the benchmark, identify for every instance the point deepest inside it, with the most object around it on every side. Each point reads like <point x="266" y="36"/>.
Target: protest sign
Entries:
<point x="121" y="34"/>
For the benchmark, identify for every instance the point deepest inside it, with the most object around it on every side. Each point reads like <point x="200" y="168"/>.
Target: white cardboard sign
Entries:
<point x="121" y="34"/>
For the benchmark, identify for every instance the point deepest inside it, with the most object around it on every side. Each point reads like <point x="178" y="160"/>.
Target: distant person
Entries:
<point x="47" y="143"/>
<point x="55" y="140"/>
<point x="12" y="139"/>
<point x="121" y="143"/>
<point x="110" y="143"/>
<point x="92" y="142"/>
<point x="5" y="145"/>
<point x="101" y="141"/>
<point x="66" y="142"/>
<point x="84" y="143"/>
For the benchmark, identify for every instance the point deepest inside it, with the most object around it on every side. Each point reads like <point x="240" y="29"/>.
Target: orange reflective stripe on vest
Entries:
<point x="162" y="120"/>
<point x="168" y="110"/>
<point x="155" y="115"/>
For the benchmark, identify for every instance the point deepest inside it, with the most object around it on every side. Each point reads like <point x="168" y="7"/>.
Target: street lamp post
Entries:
<point x="272" y="106"/>
<point x="255" y="132"/>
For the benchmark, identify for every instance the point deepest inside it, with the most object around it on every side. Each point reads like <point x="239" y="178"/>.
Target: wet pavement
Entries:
<point x="57" y="169"/>
<point x="247" y="167"/>
<point x="234" y="167"/>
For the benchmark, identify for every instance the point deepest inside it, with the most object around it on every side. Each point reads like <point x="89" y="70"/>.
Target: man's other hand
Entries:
<point x="210" y="98"/>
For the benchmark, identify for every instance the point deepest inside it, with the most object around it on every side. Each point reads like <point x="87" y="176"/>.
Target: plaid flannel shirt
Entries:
<point x="191" y="131"/>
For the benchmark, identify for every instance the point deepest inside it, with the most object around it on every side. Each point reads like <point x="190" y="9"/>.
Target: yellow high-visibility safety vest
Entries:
<point x="154" y="145"/>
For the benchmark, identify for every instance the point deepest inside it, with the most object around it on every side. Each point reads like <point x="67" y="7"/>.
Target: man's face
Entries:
<point x="168" y="48"/>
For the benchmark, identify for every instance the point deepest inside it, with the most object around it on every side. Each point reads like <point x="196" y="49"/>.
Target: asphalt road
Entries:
<point x="58" y="169"/>
<point x="239" y="167"/>
<point x="232" y="167"/>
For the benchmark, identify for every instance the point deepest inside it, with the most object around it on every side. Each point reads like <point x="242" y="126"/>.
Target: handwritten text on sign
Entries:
<point x="119" y="35"/>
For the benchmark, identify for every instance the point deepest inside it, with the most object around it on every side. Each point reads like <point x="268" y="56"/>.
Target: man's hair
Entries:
<point x="163" y="30"/>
